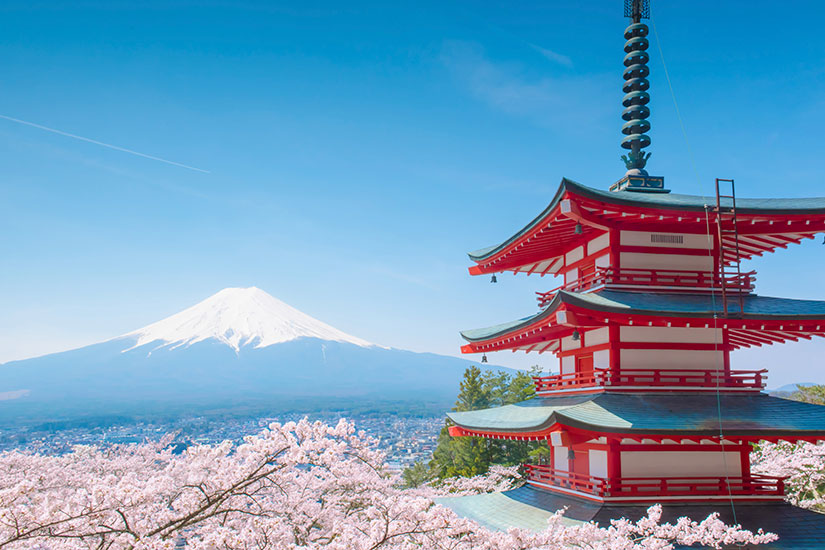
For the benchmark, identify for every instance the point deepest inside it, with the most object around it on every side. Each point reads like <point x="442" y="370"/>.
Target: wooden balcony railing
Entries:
<point x="654" y="487"/>
<point x="653" y="378"/>
<point x="573" y="380"/>
<point x="669" y="279"/>
<point x="548" y="475"/>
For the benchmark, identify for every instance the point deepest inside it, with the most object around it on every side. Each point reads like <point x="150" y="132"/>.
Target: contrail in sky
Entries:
<point x="110" y="146"/>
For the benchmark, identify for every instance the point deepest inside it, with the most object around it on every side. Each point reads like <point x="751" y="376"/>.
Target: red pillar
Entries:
<point x="745" y="460"/>
<point x="614" y="465"/>
<point x="614" y="248"/>
<point x="614" y="460"/>
<point x="726" y="352"/>
<point x="613" y="335"/>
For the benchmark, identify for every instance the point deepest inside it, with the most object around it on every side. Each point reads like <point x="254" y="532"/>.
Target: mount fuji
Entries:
<point x="240" y="349"/>
<point x="237" y="317"/>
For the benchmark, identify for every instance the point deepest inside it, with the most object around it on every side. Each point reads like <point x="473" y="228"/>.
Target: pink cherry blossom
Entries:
<point x="804" y="466"/>
<point x="299" y="485"/>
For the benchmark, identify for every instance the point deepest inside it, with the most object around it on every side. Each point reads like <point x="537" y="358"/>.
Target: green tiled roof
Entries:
<point x="529" y="508"/>
<point x="668" y="305"/>
<point x="476" y="334"/>
<point x="498" y="511"/>
<point x="672" y="413"/>
<point x="703" y="305"/>
<point x="670" y="201"/>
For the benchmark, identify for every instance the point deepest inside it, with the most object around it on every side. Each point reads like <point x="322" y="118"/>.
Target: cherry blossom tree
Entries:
<point x="294" y="486"/>
<point x="497" y="478"/>
<point x="803" y="466"/>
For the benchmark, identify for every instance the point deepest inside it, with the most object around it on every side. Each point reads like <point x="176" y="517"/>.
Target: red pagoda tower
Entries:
<point x="645" y="407"/>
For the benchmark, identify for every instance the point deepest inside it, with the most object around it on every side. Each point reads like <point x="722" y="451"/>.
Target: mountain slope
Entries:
<point x="238" y="348"/>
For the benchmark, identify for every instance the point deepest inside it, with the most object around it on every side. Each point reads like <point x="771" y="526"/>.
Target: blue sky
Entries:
<point x="355" y="153"/>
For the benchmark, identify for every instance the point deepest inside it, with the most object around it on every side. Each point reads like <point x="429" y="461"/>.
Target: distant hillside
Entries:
<point x="790" y="388"/>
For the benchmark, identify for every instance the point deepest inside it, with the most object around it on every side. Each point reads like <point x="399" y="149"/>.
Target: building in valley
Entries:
<point x="645" y="407"/>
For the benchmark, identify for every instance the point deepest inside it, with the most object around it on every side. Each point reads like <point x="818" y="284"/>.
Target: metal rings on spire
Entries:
<point x="636" y="97"/>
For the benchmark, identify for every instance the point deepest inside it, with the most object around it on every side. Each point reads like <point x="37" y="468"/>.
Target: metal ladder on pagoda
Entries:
<point x="730" y="273"/>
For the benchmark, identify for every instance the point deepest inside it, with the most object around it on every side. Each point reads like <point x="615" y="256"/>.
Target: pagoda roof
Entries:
<point x="663" y="308"/>
<point x="529" y="508"/>
<point x="672" y="414"/>
<point x="552" y="231"/>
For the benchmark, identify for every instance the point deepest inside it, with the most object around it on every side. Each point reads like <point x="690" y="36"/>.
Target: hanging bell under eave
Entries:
<point x="484" y="358"/>
<point x="494" y="280"/>
<point x="576" y="336"/>
<point x="579" y="229"/>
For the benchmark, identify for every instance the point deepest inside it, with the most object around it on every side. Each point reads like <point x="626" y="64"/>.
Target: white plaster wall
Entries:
<point x="601" y="359"/>
<point x="600" y="242"/>
<point x="603" y="261"/>
<point x="560" y="458"/>
<point x="672" y="359"/>
<point x="568" y="343"/>
<point x="597" y="462"/>
<point x="568" y="364"/>
<point x="675" y="464"/>
<point x="676" y="262"/>
<point x="571" y="276"/>
<point x="691" y="335"/>
<point x="596" y="337"/>
<point x="574" y="255"/>
<point x="642" y="238"/>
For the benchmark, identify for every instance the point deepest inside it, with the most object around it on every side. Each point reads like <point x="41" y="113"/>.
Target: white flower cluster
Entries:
<point x="299" y="485"/>
<point x="803" y="466"/>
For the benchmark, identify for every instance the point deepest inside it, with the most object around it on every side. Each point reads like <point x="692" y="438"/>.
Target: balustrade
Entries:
<point x="652" y="487"/>
<point x="673" y="280"/>
<point x="653" y="378"/>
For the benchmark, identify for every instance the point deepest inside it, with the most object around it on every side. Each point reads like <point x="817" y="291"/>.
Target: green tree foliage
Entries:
<point x="470" y="456"/>
<point x="475" y="391"/>
<point x="416" y="475"/>
<point x="810" y="394"/>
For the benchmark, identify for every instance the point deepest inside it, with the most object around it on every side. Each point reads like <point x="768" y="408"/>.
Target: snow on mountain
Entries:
<point x="238" y="317"/>
<point x="239" y="350"/>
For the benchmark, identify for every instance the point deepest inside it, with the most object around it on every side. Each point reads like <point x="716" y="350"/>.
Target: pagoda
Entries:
<point x="645" y="407"/>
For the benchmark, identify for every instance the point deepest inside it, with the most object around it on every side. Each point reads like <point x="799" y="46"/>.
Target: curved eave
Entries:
<point x="673" y="414"/>
<point x="756" y="307"/>
<point x="697" y="203"/>
<point x="537" y="332"/>
<point x="542" y="326"/>
<point x="513" y="327"/>
<point x="490" y="251"/>
<point x="500" y="257"/>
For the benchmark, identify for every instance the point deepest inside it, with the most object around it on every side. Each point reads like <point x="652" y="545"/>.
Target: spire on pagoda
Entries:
<point x="636" y="98"/>
<point x="635" y="88"/>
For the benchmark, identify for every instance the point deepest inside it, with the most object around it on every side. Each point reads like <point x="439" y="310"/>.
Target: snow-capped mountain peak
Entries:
<point x="239" y="317"/>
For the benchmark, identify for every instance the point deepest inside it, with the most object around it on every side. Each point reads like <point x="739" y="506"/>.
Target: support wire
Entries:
<point x="710" y="254"/>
